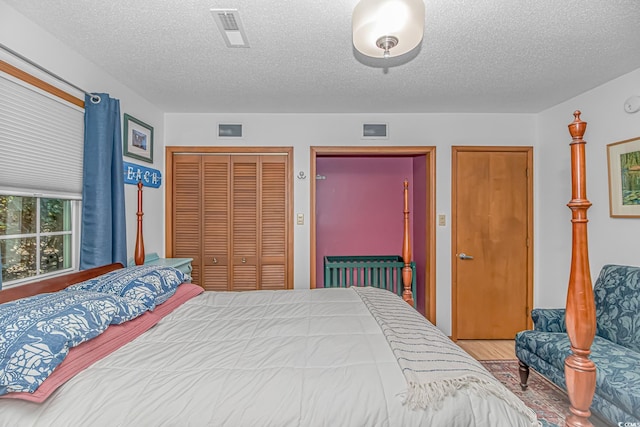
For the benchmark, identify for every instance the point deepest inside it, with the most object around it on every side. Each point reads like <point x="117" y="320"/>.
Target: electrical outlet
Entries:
<point x="442" y="220"/>
<point x="300" y="219"/>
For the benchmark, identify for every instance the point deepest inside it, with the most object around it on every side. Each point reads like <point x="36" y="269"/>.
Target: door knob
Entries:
<point x="215" y="260"/>
<point x="464" y="256"/>
<point x="244" y="260"/>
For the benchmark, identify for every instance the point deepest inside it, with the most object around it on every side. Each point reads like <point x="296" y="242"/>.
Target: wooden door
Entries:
<point x="215" y="223"/>
<point x="232" y="214"/>
<point x="244" y="220"/>
<point x="492" y="223"/>
<point x="259" y="218"/>
<point x="186" y="212"/>
<point x="273" y="222"/>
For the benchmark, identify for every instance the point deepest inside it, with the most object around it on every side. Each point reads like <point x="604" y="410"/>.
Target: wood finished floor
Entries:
<point x="489" y="349"/>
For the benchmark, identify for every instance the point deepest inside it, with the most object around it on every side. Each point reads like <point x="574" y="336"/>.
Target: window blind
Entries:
<point x="41" y="139"/>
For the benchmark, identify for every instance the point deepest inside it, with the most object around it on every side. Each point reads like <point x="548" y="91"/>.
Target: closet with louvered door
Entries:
<point x="231" y="214"/>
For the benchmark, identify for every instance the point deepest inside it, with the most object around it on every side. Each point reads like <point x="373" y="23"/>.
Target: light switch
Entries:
<point x="300" y="219"/>
<point x="442" y="220"/>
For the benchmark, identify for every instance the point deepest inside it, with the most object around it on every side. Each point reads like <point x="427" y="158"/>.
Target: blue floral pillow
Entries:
<point x="144" y="284"/>
<point x="36" y="333"/>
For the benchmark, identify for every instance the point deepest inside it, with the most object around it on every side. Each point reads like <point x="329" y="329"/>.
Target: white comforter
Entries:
<point x="265" y="358"/>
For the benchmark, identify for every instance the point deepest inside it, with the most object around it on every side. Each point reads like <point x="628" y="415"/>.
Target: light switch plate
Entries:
<point x="300" y="219"/>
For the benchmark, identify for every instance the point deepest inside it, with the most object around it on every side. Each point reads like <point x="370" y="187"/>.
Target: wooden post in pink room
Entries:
<point x="407" y="274"/>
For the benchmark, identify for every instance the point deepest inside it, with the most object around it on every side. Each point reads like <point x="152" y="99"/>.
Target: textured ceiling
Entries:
<point x="476" y="55"/>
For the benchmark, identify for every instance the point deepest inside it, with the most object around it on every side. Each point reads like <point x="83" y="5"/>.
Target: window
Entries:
<point x="38" y="236"/>
<point x="41" y="149"/>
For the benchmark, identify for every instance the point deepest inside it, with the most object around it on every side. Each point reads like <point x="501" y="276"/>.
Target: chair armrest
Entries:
<point x="549" y="319"/>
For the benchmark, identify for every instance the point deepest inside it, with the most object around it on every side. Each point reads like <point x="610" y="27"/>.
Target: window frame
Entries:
<point x="76" y="209"/>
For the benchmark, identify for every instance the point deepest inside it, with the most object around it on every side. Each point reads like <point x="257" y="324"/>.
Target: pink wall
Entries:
<point x="359" y="206"/>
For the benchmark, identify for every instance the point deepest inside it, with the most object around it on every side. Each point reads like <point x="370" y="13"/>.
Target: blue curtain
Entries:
<point x="103" y="235"/>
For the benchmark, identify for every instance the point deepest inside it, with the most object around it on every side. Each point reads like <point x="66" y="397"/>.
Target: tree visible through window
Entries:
<point x="35" y="236"/>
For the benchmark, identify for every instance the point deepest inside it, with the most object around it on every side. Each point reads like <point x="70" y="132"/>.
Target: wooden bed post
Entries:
<point x="580" y="371"/>
<point x="407" y="274"/>
<point x="139" y="250"/>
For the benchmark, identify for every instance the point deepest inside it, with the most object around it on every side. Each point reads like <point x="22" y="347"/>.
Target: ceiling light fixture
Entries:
<point x="387" y="28"/>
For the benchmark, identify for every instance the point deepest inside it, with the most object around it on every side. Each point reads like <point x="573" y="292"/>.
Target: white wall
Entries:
<point x="28" y="39"/>
<point x="302" y="131"/>
<point x="611" y="240"/>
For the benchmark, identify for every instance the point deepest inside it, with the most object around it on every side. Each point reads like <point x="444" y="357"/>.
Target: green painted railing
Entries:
<point x="383" y="271"/>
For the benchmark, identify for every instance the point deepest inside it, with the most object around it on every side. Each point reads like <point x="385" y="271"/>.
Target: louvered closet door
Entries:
<point x="244" y="214"/>
<point x="216" y="215"/>
<point x="273" y="221"/>
<point x="231" y="215"/>
<point x="187" y="211"/>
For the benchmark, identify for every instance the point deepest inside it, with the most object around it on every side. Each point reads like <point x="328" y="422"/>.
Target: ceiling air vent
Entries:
<point x="230" y="26"/>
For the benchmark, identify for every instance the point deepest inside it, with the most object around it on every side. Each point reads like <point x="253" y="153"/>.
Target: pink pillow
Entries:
<point x="114" y="337"/>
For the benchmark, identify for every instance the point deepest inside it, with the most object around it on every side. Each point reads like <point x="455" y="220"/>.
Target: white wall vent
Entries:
<point x="230" y="26"/>
<point x="229" y="130"/>
<point x="378" y="130"/>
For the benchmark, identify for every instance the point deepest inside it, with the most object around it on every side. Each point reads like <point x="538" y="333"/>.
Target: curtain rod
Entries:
<point x="94" y="98"/>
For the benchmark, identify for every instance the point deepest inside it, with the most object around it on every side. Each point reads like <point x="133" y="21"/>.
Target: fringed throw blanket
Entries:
<point x="432" y="364"/>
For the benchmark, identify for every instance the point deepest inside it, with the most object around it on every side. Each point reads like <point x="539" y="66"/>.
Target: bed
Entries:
<point x="174" y="355"/>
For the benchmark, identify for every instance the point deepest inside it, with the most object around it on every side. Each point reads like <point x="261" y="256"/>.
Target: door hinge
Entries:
<point x="527" y="242"/>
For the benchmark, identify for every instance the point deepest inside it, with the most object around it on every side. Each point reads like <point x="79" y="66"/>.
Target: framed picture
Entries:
<point x="138" y="139"/>
<point x="624" y="178"/>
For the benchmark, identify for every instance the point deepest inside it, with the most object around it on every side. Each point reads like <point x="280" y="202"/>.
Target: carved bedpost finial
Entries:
<point x="577" y="127"/>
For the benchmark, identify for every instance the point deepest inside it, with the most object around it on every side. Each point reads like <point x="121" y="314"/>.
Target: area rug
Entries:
<point x="548" y="401"/>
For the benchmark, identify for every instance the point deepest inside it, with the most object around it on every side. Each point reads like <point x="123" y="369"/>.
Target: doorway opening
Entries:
<point x="356" y="209"/>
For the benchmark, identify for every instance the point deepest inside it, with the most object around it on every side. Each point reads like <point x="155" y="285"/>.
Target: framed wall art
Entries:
<point x="623" y="159"/>
<point x="138" y="139"/>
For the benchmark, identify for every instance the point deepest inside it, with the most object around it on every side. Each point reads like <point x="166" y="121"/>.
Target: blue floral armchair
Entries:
<point x="615" y="349"/>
